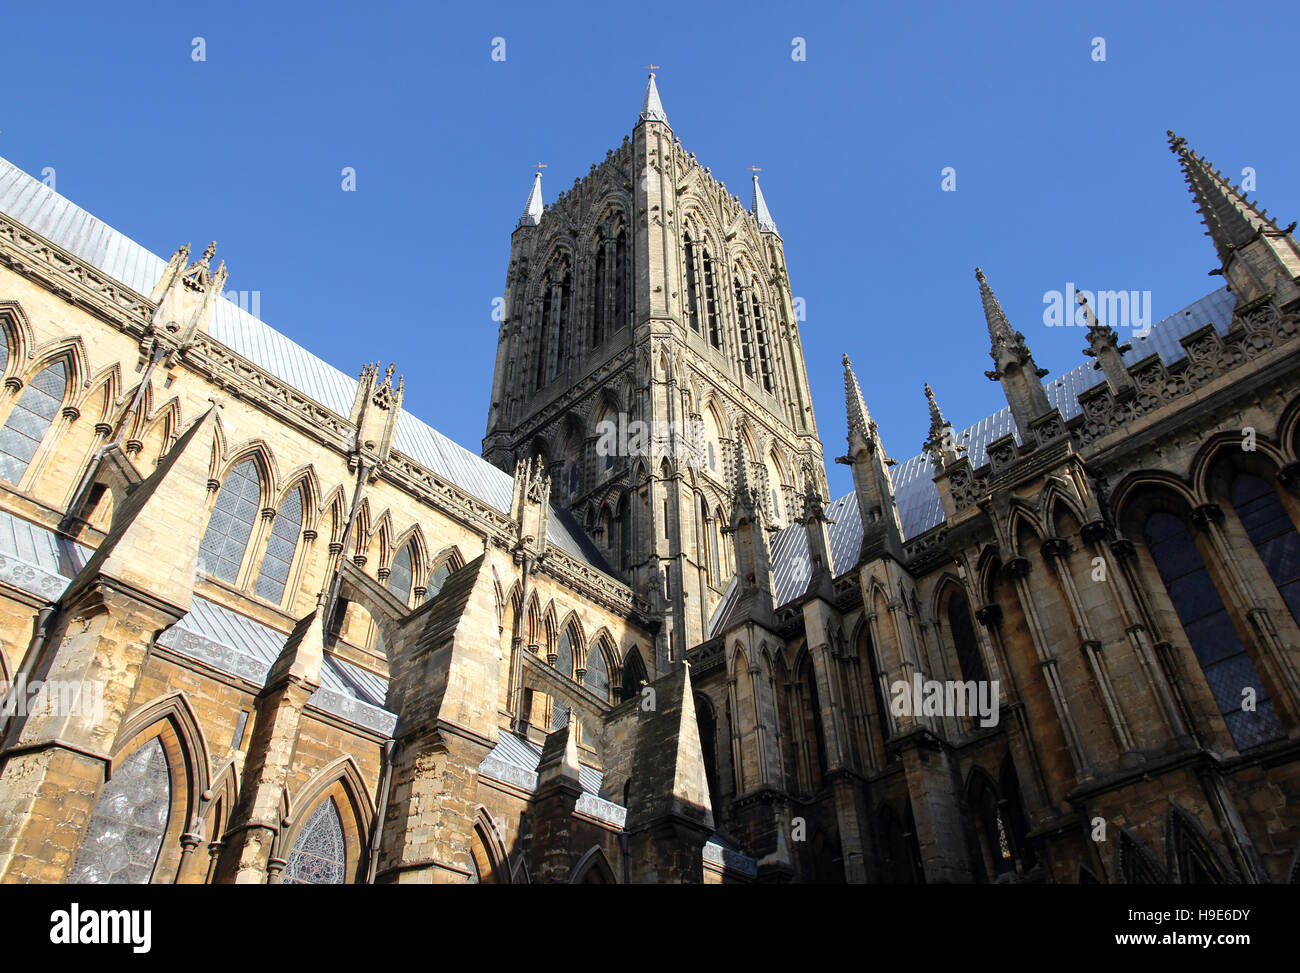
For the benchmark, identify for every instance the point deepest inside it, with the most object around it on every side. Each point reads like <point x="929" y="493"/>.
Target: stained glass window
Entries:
<point x="1271" y="531"/>
<point x="224" y="541"/>
<point x="399" y="578"/>
<point x="30" y="420"/>
<point x="127" y="826"/>
<point x="319" y="855"/>
<point x="280" y="548"/>
<point x="1218" y="648"/>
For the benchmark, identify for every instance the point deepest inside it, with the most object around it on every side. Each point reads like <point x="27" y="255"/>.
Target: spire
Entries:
<point x="1013" y="365"/>
<point x="533" y="208"/>
<point x="941" y="447"/>
<point x="999" y="326"/>
<point x="652" y="109"/>
<point x="1232" y="220"/>
<point x="859" y="419"/>
<point x="760" y="210"/>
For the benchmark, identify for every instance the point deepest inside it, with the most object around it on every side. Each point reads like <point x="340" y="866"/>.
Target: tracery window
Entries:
<point x="1215" y="642"/>
<point x="599" y="293"/>
<point x="279" y="549"/>
<point x="319" y="855"/>
<point x="129" y="821"/>
<point x="30" y="420"/>
<point x="438" y="579"/>
<point x="711" y="301"/>
<point x="221" y="551"/>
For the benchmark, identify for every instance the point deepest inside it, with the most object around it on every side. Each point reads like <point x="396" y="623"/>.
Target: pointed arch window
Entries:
<point x="279" y="549"/>
<point x="719" y="555"/>
<point x="565" y="298"/>
<point x="596" y="678"/>
<point x="4" y="351"/>
<point x="692" y="284"/>
<point x="964" y="640"/>
<point x="221" y="551"/>
<point x="760" y="332"/>
<point x="599" y="292"/>
<point x="746" y="346"/>
<point x="129" y="821"/>
<point x="543" y="336"/>
<point x="624" y="535"/>
<point x="711" y="301"/>
<point x="1223" y="658"/>
<point x="438" y="579"/>
<point x="633" y="674"/>
<point x="400" y="574"/>
<point x="1270" y="529"/>
<point x="564" y="664"/>
<point x="620" y="280"/>
<point x="319" y="855"/>
<point x="30" y="420"/>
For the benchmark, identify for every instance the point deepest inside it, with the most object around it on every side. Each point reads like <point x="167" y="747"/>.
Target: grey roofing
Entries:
<point x="533" y="208"/>
<point x="30" y="202"/>
<point x="219" y="637"/>
<point x="914" y="490"/>
<point x="652" y="109"/>
<point x="37" y="560"/>
<point x="514" y="760"/>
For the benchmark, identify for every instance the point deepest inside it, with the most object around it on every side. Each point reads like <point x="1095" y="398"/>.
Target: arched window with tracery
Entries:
<point x="221" y="552"/>
<point x="30" y="420"/>
<point x="439" y="577"/>
<point x="624" y="534"/>
<point x="280" y="548"/>
<point x="1214" y="640"/>
<point x="633" y="673"/>
<point x="620" y="280"/>
<point x="129" y="822"/>
<point x="1271" y="530"/>
<point x="319" y="855"/>
<point x="400" y="574"/>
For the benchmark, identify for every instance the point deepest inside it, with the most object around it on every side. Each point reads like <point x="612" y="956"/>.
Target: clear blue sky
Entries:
<point x="1063" y="173"/>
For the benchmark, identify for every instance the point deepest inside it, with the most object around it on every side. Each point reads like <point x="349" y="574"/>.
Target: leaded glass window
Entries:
<point x="222" y="549"/>
<point x="4" y="351"/>
<point x="399" y="577"/>
<point x="30" y="420"/>
<point x="1218" y="648"/>
<point x="280" y="548"/>
<point x="319" y="855"/>
<point x="564" y="663"/>
<point x="127" y="826"/>
<point x="596" y="677"/>
<point x="439" y="579"/>
<point x="1271" y="531"/>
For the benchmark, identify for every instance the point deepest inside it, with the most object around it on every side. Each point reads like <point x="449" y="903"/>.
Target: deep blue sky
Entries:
<point x="1063" y="173"/>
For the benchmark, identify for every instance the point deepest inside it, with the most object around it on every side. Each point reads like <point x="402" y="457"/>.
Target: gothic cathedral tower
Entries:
<point x="648" y="348"/>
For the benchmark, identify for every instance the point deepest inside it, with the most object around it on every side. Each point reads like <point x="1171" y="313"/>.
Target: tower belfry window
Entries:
<point x="543" y="330"/>
<point x="746" y="348"/>
<point x="764" y="351"/>
<point x="692" y="287"/>
<point x="620" y="280"/>
<point x="711" y="302"/>
<point x="599" y="295"/>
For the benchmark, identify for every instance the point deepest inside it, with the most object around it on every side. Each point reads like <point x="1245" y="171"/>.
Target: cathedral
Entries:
<point x="260" y="624"/>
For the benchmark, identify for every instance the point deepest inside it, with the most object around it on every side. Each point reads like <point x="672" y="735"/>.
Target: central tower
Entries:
<point x="649" y="354"/>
